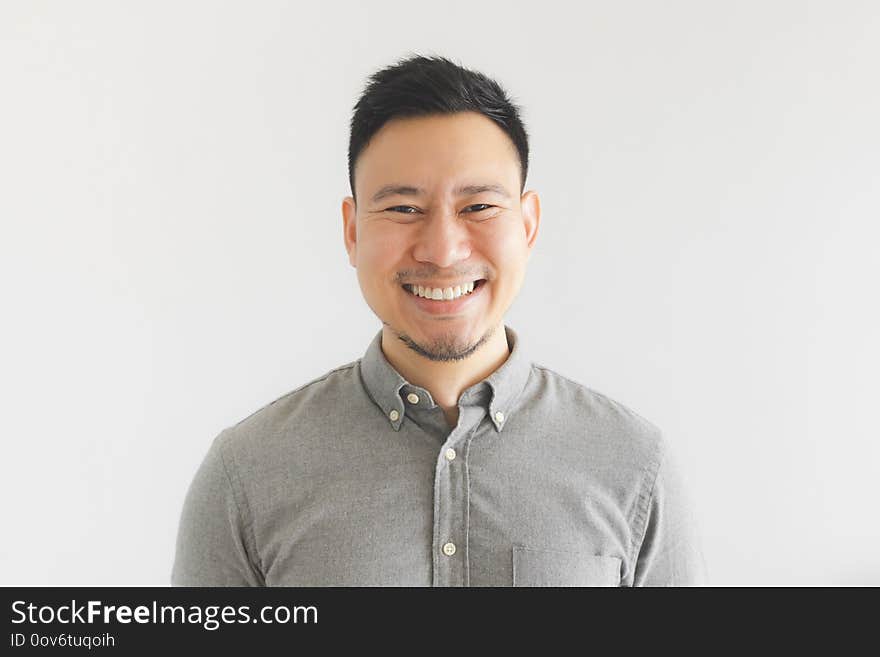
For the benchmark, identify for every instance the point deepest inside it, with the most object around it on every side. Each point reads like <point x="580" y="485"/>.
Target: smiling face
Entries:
<point x="439" y="206"/>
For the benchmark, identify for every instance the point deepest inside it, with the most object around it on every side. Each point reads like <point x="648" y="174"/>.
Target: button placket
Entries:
<point x="451" y="501"/>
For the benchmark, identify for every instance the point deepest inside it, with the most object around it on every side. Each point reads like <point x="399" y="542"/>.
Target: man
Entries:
<point x="444" y="456"/>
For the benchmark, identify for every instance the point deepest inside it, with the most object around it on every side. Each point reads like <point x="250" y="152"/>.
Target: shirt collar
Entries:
<point x="498" y="392"/>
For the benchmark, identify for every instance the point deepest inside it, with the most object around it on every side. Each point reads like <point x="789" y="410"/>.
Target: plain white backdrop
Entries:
<point x="171" y="258"/>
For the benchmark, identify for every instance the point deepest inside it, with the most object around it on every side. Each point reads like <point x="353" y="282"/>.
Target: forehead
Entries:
<point x="438" y="153"/>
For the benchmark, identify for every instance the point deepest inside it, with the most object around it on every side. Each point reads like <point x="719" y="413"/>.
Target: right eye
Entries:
<point x="405" y="207"/>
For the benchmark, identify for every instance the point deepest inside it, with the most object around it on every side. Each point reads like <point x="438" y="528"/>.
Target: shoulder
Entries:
<point x="603" y="422"/>
<point x="297" y="412"/>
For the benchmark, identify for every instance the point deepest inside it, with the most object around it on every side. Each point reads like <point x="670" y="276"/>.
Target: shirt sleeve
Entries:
<point x="671" y="551"/>
<point x="215" y="538"/>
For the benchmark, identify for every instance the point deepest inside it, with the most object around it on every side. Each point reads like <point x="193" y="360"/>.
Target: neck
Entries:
<point x="446" y="380"/>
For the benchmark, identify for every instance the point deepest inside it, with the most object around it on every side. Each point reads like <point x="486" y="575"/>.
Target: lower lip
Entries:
<point x="442" y="307"/>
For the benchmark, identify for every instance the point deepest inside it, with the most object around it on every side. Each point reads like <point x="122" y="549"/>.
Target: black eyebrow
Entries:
<point x="464" y="190"/>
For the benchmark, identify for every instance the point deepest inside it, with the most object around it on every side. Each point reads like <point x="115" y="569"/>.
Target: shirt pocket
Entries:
<point x="541" y="567"/>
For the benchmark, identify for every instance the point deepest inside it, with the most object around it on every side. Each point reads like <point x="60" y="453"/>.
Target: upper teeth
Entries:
<point x="441" y="293"/>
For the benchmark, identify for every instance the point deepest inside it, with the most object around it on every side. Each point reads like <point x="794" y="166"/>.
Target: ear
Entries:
<point x="531" y="214"/>
<point x="349" y="228"/>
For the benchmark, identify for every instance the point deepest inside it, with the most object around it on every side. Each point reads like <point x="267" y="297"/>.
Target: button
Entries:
<point x="394" y="415"/>
<point x="450" y="454"/>
<point x="499" y="416"/>
<point x="449" y="549"/>
<point x="412" y="398"/>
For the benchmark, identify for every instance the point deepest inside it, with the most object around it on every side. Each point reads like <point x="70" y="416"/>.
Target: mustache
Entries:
<point x="412" y="276"/>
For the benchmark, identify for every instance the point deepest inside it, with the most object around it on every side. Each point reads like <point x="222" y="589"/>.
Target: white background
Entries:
<point x="171" y="175"/>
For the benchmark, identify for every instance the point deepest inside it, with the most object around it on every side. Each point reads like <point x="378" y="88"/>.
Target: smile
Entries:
<point x="444" y="301"/>
<point x="443" y="293"/>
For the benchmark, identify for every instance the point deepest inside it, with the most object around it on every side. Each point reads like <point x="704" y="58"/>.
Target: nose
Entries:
<point x="443" y="240"/>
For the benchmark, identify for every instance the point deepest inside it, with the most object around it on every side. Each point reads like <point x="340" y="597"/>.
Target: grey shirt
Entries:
<point x="355" y="479"/>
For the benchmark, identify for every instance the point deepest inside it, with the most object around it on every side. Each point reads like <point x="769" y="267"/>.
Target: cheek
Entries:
<point x="505" y="236"/>
<point x="378" y="252"/>
<point x="505" y="251"/>
<point x="507" y="256"/>
<point x="377" y="258"/>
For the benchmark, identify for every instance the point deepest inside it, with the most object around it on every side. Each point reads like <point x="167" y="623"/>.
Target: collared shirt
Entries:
<point x="356" y="479"/>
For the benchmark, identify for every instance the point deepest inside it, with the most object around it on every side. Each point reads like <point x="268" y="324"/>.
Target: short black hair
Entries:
<point x="425" y="86"/>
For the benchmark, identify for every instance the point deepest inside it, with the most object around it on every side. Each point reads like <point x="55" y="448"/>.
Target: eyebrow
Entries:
<point x="464" y="190"/>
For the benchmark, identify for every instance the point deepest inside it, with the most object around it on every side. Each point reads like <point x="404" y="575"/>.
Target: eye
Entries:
<point x="404" y="209"/>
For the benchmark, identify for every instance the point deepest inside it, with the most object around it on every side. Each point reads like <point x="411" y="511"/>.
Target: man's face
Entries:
<point x="441" y="236"/>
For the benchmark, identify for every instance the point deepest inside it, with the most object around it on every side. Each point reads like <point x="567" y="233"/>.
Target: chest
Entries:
<point x="466" y="513"/>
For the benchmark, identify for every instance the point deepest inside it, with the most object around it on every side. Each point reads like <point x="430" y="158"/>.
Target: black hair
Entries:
<point x="425" y="86"/>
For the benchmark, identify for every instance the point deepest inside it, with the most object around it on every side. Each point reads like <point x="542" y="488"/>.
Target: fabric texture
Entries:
<point x="355" y="479"/>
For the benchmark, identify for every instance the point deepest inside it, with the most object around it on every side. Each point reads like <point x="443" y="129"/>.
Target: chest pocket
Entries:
<point x="539" y="567"/>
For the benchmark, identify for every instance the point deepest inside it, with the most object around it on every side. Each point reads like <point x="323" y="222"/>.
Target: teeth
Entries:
<point x="446" y="294"/>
